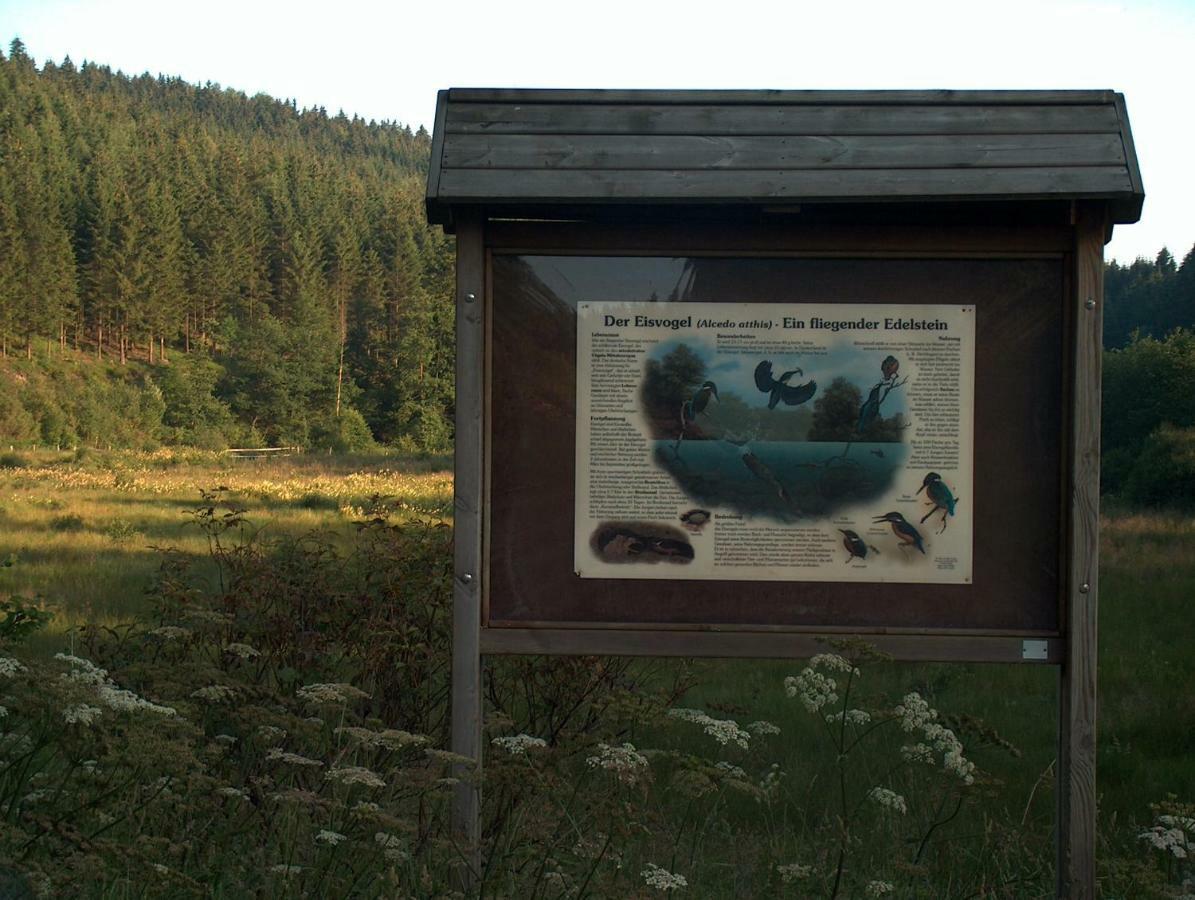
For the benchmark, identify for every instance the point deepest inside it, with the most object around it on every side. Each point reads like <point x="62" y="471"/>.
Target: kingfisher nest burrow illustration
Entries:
<point x="640" y="542"/>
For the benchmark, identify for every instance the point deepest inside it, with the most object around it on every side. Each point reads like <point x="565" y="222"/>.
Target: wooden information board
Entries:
<point x="722" y="491"/>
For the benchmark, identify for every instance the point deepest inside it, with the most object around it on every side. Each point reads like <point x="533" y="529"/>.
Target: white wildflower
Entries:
<point x="625" y="762"/>
<point x="243" y="651"/>
<point x="392" y="847"/>
<point x="853" y="717"/>
<point x="225" y="739"/>
<point x="331" y="838"/>
<point x="1168" y="840"/>
<point x="171" y="632"/>
<point x="878" y="888"/>
<point x="81" y="714"/>
<point x="286" y="871"/>
<point x="724" y="731"/>
<point x="388" y="738"/>
<point x="330" y="693"/>
<point x="366" y="808"/>
<point x="232" y="792"/>
<point x="793" y="872"/>
<point x="214" y="693"/>
<point x="762" y="727"/>
<point x="832" y="662"/>
<point x="730" y="770"/>
<point x="448" y="757"/>
<point x="915" y="713"/>
<point x="351" y="775"/>
<point x="813" y="689"/>
<point x="293" y="759"/>
<point x="917" y="753"/>
<point x="270" y="733"/>
<point x="662" y="879"/>
<point x="518" y="744"/>
<point x="3" y="712"/>
<point x="10" y="667"/>
<point x="889" y="799"/>
<point x="126" y="701"/>
<point x="769" y="785"/>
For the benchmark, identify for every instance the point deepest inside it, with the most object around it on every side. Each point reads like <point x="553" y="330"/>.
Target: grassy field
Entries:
<point x="84" y="535"/>
<point x="86" y="532"/>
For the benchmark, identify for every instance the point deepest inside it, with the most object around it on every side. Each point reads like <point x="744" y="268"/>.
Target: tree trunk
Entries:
<point x="161" y="348"/>
<point x="99" y="341"/>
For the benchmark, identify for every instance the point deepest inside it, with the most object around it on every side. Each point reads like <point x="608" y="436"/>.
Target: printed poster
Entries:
<point x="796" y="442"/>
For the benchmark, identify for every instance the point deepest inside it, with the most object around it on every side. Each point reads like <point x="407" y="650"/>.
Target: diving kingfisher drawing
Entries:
<point x="905" y="533"/>
<point x="940" y="496"/>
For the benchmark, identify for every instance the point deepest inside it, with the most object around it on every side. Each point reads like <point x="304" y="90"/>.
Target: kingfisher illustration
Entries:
<point x="939" y="494"/>
<point x="905" y="533"/>
<point x="760" y="470"/>
<point x="690" y="409"/>
<point x="695" y="519"/>
<point x="889" y="367"/>
<point x="780" y="389"/>
<point x="870" y="408"/>
<point x="855" y="545"/>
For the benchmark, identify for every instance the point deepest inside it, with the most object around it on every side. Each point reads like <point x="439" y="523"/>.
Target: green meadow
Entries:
<point x="713" y="795"/>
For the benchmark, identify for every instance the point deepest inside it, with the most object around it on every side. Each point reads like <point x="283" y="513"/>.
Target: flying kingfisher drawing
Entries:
<point x="779" y="389"/>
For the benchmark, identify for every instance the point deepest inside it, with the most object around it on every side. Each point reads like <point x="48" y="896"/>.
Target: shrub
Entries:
<point x="67" y="522"/>
<point x="12" y="460"/>
<point x="1163" y="472"/>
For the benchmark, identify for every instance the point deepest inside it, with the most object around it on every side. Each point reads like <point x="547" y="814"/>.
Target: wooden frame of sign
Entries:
<point x="1008" y="252"/>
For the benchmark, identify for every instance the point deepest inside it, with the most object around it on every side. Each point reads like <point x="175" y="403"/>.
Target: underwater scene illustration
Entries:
<point x="760" y="437"/>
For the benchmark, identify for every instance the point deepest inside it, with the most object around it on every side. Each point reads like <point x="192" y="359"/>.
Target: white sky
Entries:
<point x="387" y="60"/>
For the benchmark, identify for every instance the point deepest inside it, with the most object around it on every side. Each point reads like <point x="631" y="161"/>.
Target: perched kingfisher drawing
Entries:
<point x="693" y="407"/>
<point x="869" y="411"/>
<point x="855" y="545"/>
<point x="690" y="409"/>
<point x="940" y="496"/>
<point x="780" y="389"/>
<point x="905" y="533"/>
<point x="889" y="367"/>
<point x="695" y="519"/>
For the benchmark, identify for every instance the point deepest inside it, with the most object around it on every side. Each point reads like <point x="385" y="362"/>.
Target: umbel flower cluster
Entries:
<point x="84" y="672"/>
<point x="724" y="731"/>
<point x="917" y="715"/>
<point x="626" y="763"/>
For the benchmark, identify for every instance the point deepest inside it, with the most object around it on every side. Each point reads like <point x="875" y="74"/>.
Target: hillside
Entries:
<point x="277" y="255"/>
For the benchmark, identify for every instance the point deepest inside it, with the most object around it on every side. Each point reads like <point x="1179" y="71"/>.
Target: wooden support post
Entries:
<point x="1077" y="683"/>
<point x="467" y="582"/>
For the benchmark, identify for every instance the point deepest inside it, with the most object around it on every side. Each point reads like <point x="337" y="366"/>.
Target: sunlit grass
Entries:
<point x="86" y="532"/>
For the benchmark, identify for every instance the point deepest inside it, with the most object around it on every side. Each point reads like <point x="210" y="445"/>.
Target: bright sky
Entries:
<point x="386" y="60"/>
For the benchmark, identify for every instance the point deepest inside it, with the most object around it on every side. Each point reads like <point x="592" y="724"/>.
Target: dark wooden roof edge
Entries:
<point x="781" y="97"/>
<point x="1130" y="154"/>
<point x="1123" y="208"/>
<point x="437" y="151"/>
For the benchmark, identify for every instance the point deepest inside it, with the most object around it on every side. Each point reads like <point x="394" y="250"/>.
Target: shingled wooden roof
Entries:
<point x="520" y="148"/>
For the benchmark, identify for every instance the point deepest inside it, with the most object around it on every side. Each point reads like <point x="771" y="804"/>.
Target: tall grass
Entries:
<point x="593" y="788"/>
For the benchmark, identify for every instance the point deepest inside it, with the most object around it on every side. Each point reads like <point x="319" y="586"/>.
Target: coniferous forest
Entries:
<point x="187" y="264"/>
